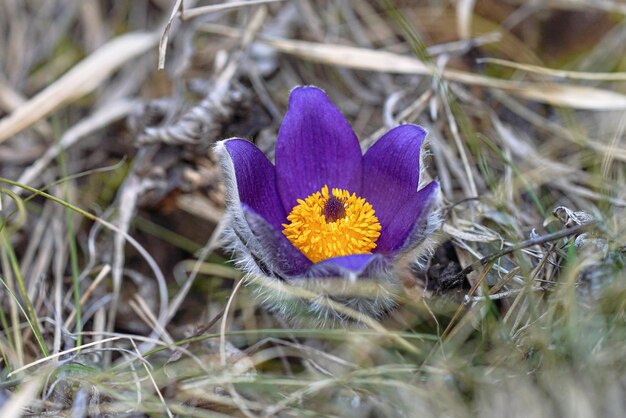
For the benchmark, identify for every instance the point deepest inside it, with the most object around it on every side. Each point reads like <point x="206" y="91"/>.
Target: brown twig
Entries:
<point x="525" y="244"/>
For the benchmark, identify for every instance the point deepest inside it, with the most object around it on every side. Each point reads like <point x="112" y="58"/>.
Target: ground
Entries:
<point x="118" y="295"/>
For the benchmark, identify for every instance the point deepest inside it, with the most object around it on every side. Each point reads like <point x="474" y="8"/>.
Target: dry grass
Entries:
<point x="118" y="301"/>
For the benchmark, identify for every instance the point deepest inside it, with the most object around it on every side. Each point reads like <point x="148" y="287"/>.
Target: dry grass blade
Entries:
<point x="576" y="75"/>
<point x="61" y="354"/>
<point x="567" y="95"/>
<point x="15" y="406"/>
<point x="11" y="100"/>
<point x="153" y="382"/>
<point x="464" y="11"/>
<point x="106" y="269"/>
<point x="179" y="11"/>
<point x="82" y="79"/>
<point x="165" y="36"/>
<point x="199" y="11"/>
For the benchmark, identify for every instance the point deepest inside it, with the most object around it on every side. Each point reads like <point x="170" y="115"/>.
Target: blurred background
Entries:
<point x="114" y="282"/>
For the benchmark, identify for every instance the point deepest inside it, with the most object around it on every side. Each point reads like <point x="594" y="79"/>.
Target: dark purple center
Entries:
<point x="334" y="209"/>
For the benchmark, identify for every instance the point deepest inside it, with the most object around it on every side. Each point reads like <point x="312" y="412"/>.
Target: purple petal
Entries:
<point x="316" y="146"/>
<point x="276" y="254"/>
<point x="356" y="265"/>
<point x="391" y="176"/>
<point x="255" y="179"/>
<point x="424" y="225"/>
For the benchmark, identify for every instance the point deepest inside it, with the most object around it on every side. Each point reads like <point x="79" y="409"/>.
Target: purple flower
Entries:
<point x="325" y="216"/>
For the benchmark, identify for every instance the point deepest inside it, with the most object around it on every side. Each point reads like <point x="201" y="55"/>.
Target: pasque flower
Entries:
<point x="326" y="216"/>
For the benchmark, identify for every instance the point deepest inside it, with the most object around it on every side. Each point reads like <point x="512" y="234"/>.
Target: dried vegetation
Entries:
<point x="116" y="299"/>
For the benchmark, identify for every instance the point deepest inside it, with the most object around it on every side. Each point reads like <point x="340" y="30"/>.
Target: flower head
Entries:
<point x="325" y="216"/>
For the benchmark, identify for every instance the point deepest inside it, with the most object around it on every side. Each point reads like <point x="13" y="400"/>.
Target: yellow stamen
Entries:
<point x="330" y="225"/>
